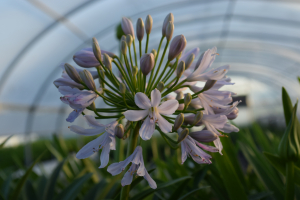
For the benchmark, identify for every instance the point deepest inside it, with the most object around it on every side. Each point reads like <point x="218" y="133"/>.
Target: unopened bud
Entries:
<point x="122" y="88"/>
<point x="96" y="49"/>
<point x="102" y="74"/>
<point x="197" y="118"/>
<point x="169" y="18"/>
<point x="87" y="78"/>
<point x="183" y="134"/>
<point x="135" y="70"/>
<point x="119" y="131"/>
<point x="149" y="23"/>
<point x="233" y="114"/>
<point x="72" y="72"/>
<point x="179" y="56"/>
<point x="93" y="106"/>
<point x="187" y="99"/>
<point x="127" y="26"/>
<point x="204" y="136"/>
<point x="123" y="38"/>
<point x="123" y="47"/>
<point x="154" y="52"/>
<point x="177" y="46"/>
<point x="178" y="121"/>
<point x="129" y="40"/>
<point x="160" y="86"/>
<point x="147" y="63"/>
<point x="209" y="84"/>
<point x="169" y="30"/>
<point x="107" y="62"/>
<point x="179" y="96"/>
<point x="180" y="69"/>
<point x="140" y="29"/>
<point x="189" y="61"/>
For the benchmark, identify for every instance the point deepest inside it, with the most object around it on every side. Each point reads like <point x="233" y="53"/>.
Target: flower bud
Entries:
<point x="87" y="78"/>
<point x="102" y="74"/>
<point x="135" y="70"/>
<point x="179" y="96"/>
<point x="149" y="22"/>
<point x="154" y="52"/>
<point x="204" y="136"/>
<point x="93" y="106"/>
<point x="169" y="18"/>
<point x="178" y="121"/>
<point x="147" y="63"/>
<point x="209" y="84"/>
<point x="96" y="49"/>
<point x="187" y="99"/>
<point x="169" y="30"/>
<point x="107" y="62"/>
<point x="123" y="38"/>
<point x="233" y="114"/>
<point x="140" y="29"/>
<point x="119" y="131"/>
<point x="123" y="47"/>
<point x="189" y="61"/>
<point x="177" y="46"/>
<point x="160" y="86"/>
<point x="122" y="88"/>
<point x="129" y="40"/>
<point x="72" y="72"/>
<point x="289" y="147"/>
<point x="180" y="69"/>
<point x="183" y="134"/>
<point x="197" y="118"/>
<point x="127" y="26"/>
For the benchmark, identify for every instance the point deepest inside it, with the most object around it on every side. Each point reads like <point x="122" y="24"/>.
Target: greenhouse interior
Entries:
<point x="44" y="153"/>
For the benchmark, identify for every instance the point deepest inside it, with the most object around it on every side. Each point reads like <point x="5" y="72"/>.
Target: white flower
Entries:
<point x="106" y="141"/>
<point x="190" y="146"/>
<point x="138" y="167"/>
<point x="153" y="112"/>
<point x="203" y="64"/>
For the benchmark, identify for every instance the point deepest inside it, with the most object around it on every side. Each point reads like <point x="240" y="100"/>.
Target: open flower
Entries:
<point x="106" y="141"/>
<point x="153" y="111"/>
<point x="138" y="167"/>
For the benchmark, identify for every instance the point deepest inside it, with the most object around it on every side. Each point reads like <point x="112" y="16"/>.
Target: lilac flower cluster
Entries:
<point x="149" y="97"/>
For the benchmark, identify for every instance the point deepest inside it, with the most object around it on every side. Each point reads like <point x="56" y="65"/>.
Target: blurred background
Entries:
<point x="260" y="40"/>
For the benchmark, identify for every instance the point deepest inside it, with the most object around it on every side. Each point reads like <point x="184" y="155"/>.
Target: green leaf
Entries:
<point x="229" y="175"/>
<point x="191" y="192"/>
<point x="3" y="143"/>
<point x="287" y="106"/>
<point x="260" y="195"/>
<point x="147" y="192"/>
<point x="20" y="184"/>
<point x="49" y="190"/>
<point x="6" y="186"/>
<point x="29" y="191"/>
<point x="92" y="194"/>
<point x="73" y="189"/>
<point x="298" y="78"/>
<point x="280" y="165"/>
<point x="177" y="192"/>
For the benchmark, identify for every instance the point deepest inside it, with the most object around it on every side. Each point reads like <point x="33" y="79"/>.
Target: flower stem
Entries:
<point x="147" y="41"/>
<point x="290" y="179"/>
<point x="131" y="146"/>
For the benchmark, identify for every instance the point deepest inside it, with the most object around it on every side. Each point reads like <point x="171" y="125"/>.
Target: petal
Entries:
<point x="64" y="90"/>
<point x="74" y="114"/>
<point x="89" y="148"/>
<point x="127" y="179"/>
<point x="168" y="107"/>
<point x="184" y="152"/>
<point x="104" y="157"/>
<point x="135" y="115"/>
<point x="219" y="145"/>
<point x="142" y="101"/>
<point x="93" y="122"/>
<point x="228" y="128"/>
<point x="150" y="181"/>
<point x="117" y="168"/>
<point x="86" y="132"/>
<point x="163" y="124"/>
<point x="147" y="129"/>
<point x="155" y="97"/>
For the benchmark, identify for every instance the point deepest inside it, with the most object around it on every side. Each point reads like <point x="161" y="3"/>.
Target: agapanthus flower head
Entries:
<point x="144" y="95"/>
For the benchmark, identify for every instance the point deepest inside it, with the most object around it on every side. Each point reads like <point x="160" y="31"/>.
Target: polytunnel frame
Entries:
<point x="227" y="17"/>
